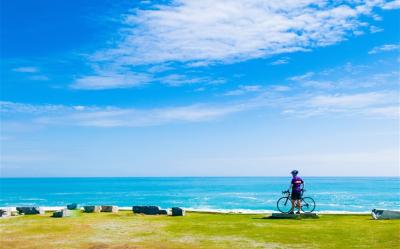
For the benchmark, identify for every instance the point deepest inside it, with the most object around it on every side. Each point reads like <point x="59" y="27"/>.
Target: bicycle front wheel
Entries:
<point x="284" y="205"/>
<point x="307" y="204"/>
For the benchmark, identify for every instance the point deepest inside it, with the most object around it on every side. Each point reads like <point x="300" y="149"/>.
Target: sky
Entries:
<point x="199" y="88"/>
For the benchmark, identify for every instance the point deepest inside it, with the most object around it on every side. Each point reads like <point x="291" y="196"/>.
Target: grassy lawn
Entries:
<point x="196" y="230"/>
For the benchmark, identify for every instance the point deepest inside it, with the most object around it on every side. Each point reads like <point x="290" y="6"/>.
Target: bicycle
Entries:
<point x="284" y="204"/>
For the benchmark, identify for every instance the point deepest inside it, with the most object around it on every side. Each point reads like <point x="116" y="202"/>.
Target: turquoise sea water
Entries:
<point x="205" y="193"/>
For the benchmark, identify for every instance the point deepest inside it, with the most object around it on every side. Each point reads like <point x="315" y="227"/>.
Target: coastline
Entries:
<point x="216" y="211"/>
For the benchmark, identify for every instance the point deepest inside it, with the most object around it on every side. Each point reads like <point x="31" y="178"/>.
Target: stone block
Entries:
<point x="309" y="215"/>
<point x="62" y="213"/>
<point x="292" y="216"/>
<point x="92" y="209"/>
<point x="30" y="210"/>
<point x="14" y="213"/>
<point x="112" y="209"/>
<point x="176" y="211"/>
<point x="163" y="211"/>
<point x="72" y="206"/>
<point x="283" y="216"/>
<point x="152" y="210"/>
<point x="385" y="214"/>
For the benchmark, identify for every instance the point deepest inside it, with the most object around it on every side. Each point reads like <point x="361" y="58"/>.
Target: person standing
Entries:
<point x="297" y="186"/>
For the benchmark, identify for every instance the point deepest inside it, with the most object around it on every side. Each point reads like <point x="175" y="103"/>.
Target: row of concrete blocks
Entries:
<point x="20" y="211"/>
<point x="149" y="210"/>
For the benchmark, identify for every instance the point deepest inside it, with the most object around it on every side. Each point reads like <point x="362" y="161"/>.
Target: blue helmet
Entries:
<point x="294" y="172"/>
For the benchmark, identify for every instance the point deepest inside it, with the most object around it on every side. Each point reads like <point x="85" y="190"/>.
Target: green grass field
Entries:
<point x="196" y="230"/>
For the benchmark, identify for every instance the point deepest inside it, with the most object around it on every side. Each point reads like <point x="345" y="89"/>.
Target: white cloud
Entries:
<point x="243" y="89"/>
<point x="111" y="80"/>
<point x="388" y="111"/>
<point x="349" y="76"/>
<point x="203" y="33"/>
<point x="384" y="48"/>
<point x="302" y="77"/>
<point x="392" y="5"/>
<point x="280" y="88"/>
<point x="374" y="29"/>
<point x="369" y="104"/>
<point x="352" y="100"/>
<point x="26" y="69"/>
<point x="179" y="80"/>
<point x="118" y="117"/>
<point x="281" y="61"/>
<point x="226" y="31"/>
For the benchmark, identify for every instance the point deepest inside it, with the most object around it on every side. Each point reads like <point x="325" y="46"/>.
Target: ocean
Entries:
<point x="238" y="194"/>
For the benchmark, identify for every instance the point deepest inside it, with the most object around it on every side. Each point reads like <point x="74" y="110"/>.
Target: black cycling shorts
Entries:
<point x="296" y="195"/>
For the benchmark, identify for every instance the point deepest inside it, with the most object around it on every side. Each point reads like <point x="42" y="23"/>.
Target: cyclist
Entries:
<point x="297" y="186"/>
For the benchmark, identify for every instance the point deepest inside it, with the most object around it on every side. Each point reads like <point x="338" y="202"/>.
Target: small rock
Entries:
<point x="113" y="209"/>
<point x="30" y="210"/>
<point x="72" y="206"/>
<point x="62" y="213"/>
<point x="176" y="211"/>
<point x="162" y="211"/>
<point x="152" y="210"/>
<point x="92" y="209"/>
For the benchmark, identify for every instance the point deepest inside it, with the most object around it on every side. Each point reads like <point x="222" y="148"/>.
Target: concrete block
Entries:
<point x="176" y="211"/>
<point x="385" y="214"/>
<point x="72" y="206"/>
<point x="152" y="210"/>
<point x="30" y="210"/>
<point x="62" y="213"/>
<point x="112" y="209"/>
<point x="92" y="209"/>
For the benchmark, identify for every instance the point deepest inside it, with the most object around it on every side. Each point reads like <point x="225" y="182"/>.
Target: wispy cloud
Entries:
<point x="118" y="117"/>
<point x="346" y="77"/>
<point x="204" y="33"/>
<point x="374" y="29"/>
<point x="352" y="100"/>
<point x="391" y="5"/>
<point x="373" y="104"/>
<point x="283" y="60"/>
<point x="384" y="48"/>
<point x="190" y="31"/>
<point x="370" y="104"/>
<point x="26" y="69"/>
<point x="243" y="89"/>
<point x="111" y="80"/>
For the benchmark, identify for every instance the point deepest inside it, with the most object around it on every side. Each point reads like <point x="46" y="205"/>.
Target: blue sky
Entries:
<point x="199" y="88"/>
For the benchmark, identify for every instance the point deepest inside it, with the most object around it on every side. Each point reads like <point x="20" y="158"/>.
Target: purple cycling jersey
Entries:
<point x="296" y="181"/>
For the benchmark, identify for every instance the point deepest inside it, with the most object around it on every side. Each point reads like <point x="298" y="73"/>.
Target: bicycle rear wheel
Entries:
<point x="284" y="205"/>
<point x="307" y="204"/>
